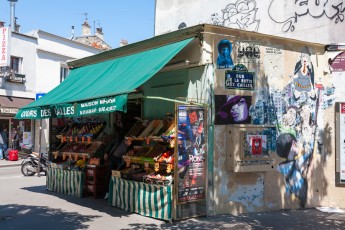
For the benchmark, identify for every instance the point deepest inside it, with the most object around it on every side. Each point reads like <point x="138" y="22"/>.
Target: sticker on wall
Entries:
<point x="258" y="144"/>
<point x="232" y="109"/>
<point x="274" y="65"/>
<point x="239" y="78"/>
<point x="338" y="63"/>
<point x="224" y="60"/>
<point x="247" y="52"/>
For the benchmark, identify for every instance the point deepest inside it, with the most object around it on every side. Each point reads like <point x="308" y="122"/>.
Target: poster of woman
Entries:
<point x="231" y="109"/>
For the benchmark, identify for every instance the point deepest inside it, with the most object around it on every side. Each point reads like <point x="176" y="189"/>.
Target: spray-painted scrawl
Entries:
<point x="333" y="10"/>
<point x="238" y="15"/>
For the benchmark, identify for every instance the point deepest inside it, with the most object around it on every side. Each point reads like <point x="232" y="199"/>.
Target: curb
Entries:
<point x="12" y="165"/>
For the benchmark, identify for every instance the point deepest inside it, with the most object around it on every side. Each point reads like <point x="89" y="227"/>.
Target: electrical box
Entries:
<point x="250" y="148"/>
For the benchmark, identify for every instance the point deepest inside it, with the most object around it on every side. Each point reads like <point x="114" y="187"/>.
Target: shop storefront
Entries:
<point x="18" y="131"/>
<point x="80" y="126"/>
<point x="230" y="122"/>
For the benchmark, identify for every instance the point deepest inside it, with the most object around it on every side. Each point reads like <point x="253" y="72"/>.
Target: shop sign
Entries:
<point x="101" y="105"/>
<point x="9" y="110"/>
<point x="338" y="64"/>
<point x="191" y="153"/>
<point x="5" y="46"/>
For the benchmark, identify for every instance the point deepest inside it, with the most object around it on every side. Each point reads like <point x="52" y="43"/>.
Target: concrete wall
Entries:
<point x="303" y="110"/>
<point x="313" y="21"/>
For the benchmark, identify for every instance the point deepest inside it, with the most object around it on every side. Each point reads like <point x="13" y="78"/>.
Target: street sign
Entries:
<point x="39" y="95"/>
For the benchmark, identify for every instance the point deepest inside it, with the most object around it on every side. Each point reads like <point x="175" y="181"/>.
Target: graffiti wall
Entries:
<point x="298" y="20"/>
<point x="282" y="89"/>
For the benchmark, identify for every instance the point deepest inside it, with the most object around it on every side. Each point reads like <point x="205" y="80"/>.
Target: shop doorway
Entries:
<point x="5" y="123"/>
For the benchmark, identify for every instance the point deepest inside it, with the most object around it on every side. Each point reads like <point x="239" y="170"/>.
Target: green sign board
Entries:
<point x="85" y="108"/>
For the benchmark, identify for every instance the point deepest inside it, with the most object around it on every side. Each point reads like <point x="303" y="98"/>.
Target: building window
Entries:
<point x="16" y="64"/>
<point x="63" y="73"/>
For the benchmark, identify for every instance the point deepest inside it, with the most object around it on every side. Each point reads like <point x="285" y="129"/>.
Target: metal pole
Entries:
<point x="39" y="150"/>
<point x="12" y="14"/>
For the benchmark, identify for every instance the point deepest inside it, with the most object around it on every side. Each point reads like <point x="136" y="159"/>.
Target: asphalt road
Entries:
<point x="26" y="204"/>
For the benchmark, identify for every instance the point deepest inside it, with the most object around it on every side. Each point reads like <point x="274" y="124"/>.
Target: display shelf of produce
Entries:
<point x="88" y="152"/>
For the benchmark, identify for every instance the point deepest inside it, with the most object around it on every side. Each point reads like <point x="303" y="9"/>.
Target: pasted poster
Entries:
<point x="224" y="60"/>
<point x="27" y="138"/>
<point x="191" y="153"/>
<point x="342" y="142"/>
<point x="256" y="145"/>
<point x="232" y="109"/>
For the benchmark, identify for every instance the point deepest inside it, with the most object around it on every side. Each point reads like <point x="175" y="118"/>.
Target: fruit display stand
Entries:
<point x="77" y="147"/>
<point x="145" y="185"/>
<point x="70" y="182"/>
<point x="145" y="199"/>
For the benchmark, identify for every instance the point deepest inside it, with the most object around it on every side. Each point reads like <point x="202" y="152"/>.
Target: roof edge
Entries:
<point x="140" y="46"/>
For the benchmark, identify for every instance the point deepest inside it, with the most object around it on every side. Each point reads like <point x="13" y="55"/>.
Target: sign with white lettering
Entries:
<point x="96" y="106"/>
<point x="5" y="46"/>
<point x="9" y="110"/>
<point x="239" y="78"/>
<point x="103" y="105"/>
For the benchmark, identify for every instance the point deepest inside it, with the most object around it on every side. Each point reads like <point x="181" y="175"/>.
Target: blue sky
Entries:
<point x="132" y="20"/>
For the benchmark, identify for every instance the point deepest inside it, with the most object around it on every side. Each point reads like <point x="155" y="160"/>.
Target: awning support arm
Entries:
<point x="177" y="101"/>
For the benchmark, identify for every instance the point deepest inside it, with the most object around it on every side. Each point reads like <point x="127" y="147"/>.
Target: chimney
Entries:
<point x="12" y="15"/>
<point x="99" y="33"/>
<point x="85" y="29"/>
<point x="73" y="35"/>
<point x="16" y="26"/>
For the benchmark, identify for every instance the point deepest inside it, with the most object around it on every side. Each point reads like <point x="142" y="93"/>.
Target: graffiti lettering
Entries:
<point x="333" y="10"/>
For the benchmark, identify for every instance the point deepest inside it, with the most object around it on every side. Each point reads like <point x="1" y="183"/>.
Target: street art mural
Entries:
<point x="294" y="110"/>
<point x="295" y="10"/>
<point x="239" y="15"/>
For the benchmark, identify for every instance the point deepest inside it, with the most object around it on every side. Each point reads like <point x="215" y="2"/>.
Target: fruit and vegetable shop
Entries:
<point x="213" y="120"/>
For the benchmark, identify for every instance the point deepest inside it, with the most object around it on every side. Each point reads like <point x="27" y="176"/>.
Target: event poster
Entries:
<point x="191" y="153"/>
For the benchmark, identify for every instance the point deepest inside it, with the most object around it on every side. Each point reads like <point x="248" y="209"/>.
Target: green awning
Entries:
<point x="102" y="81"/>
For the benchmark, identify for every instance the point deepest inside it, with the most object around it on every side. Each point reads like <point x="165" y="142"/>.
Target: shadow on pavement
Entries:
<point x="13" y="216"/>
<point x="100" y="204"/>
<point x="288" y="219"/>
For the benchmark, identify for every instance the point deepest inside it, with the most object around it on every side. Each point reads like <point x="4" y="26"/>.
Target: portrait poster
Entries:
<point x="224" y="51"/>
<point x="191" y="146"/>
<point x="232" y="109"/>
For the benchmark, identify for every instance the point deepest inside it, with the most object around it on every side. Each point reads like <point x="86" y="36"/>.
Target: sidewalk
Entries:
<point x="7" y="163"/>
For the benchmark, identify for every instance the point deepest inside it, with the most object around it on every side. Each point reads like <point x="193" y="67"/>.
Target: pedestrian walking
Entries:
<point x="3" y="142"/>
